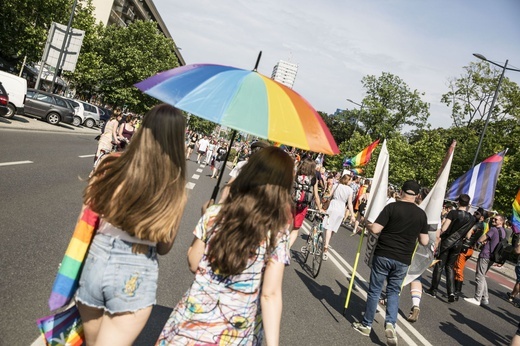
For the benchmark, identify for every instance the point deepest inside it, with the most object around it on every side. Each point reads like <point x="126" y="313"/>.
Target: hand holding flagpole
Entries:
<point x="374" y="206"/>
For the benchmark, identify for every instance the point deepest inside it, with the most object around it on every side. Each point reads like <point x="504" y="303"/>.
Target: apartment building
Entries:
<point x="124" y="12"/>
<point x="285" y="72"/>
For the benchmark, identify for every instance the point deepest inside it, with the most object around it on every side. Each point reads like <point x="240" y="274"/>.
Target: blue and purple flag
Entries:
<point x="479" y="182"/>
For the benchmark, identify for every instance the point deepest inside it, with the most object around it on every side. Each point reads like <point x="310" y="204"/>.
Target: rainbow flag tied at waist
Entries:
<point x="67" y="279"/>
<point x="516" y="213"/>
<point x="362" y="158"/>
<point x="64" y="328"/>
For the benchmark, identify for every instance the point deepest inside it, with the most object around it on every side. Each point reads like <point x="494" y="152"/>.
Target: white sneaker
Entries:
<point x="472" y="301"/>
<point x="391" y="336"/>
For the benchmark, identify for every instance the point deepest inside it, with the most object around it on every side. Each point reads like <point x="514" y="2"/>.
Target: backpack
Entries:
<point x="303" y="190"/>
<point x="500" y="253"/>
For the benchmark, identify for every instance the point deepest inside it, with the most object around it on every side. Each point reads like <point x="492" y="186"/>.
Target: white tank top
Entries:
<point x="111" y="230"/>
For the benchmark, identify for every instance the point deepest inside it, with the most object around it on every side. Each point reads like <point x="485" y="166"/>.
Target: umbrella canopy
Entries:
<point x="243" y="100"/>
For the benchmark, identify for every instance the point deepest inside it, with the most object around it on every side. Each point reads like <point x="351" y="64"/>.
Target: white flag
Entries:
<point x="377" y="199"/>
<point x="432" y="205"/>
<point x="379" y="187"/>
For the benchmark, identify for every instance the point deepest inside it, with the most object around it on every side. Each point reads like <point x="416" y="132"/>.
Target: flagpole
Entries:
<point x="353" y="276"/>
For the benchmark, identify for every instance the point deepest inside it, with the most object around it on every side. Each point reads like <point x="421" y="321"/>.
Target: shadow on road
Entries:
<point x="463" y="339"/>
<point x="154" y="326"/>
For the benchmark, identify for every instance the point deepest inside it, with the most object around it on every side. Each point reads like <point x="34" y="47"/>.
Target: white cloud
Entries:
<point x="337" y="42"/>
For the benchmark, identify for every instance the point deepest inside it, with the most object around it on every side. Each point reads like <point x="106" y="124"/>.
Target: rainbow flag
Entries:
<point x="486" y="227"/>
<point x="64" y="328"/>
<point x="67" y="279"/>
<point x="357" y="171"/>
<point x="362" y="158"/>
<point x="516" y="213"/>
<point x="479" y="182"/>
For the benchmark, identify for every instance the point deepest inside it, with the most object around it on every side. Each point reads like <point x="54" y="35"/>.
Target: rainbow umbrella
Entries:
<point x="245" y="101"/>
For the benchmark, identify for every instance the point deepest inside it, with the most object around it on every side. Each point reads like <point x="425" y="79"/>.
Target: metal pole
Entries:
<point x="489" y="114"/>
<point x="45" y="53"/>
<point x="63" y="45"/>
<point x="356" y="124"/>
<point x="23" y="65"/>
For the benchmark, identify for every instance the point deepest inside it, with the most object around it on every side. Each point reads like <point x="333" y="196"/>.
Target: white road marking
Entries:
<point x="15" y="163"/>
<point x="190" y="185"/>
<point x="83" y="156"/>
<point x="306" y="227"/>
<point x="195" y="176"/>
<point x="199" y="170"/>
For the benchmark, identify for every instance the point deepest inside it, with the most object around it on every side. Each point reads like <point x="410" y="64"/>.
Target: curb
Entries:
<point x="26" y="123"/>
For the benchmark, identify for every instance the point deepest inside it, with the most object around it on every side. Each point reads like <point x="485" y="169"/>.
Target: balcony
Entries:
<point x="141" y="12"/>
<point x="129" y="13"/>
<point x="116" y="19"/>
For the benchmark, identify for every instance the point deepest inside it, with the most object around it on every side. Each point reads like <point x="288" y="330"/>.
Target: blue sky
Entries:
<point x="336" y="43"/>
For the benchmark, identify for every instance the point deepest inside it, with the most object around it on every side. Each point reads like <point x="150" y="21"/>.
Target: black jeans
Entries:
<point x="447" y="259"/>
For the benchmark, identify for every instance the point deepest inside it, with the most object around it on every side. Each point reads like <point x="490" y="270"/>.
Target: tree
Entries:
<point x="470" y="96"/>
<point x="390" y="105"/>
<point x="341" y="126"/>
<point x="201" y="125"/>
<point x="24" y="26"/>
<point x="86" y="76"/>
<point x="129" y="55"/>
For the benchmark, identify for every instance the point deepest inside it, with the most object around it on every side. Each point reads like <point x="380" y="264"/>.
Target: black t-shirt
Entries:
<point x="461" y="222"/>
<point x="402" y="223"/>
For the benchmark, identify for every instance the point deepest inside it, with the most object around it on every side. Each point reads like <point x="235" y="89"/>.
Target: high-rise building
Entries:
<point x="124" y="12"/>
<point x="285" y="72"/>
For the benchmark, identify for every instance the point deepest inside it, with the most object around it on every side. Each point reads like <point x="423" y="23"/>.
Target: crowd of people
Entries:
<point x="241" y="245"/>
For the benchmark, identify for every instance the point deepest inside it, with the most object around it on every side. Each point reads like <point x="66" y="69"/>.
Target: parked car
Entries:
<point x="16" y="88"/>
<point x="104" y="117"/>
<point x="79" y="115"/>
<point x="4" y="101"/>
<point x="53" y="108"/>
<point x="91" y="113"/>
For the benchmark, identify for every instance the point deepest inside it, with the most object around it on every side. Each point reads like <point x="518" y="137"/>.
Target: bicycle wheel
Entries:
<point x="317" y="259"/>
<point x="307" y="248"/>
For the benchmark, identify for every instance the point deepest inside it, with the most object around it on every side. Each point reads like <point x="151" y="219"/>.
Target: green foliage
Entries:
<point x="201" y="125"/>
<point x="24" y="26"/>
<point x="86" y="77"/>
<point x="341" y="126"/>
<point x="389" y="105"/>
<point x="129" y="55"/>
<point x="470" y="96"/>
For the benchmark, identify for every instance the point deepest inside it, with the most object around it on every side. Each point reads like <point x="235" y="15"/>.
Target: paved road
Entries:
<point x="40" y="201"/>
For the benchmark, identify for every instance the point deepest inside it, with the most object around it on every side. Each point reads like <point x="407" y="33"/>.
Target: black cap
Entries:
<point x="411" y="187"/>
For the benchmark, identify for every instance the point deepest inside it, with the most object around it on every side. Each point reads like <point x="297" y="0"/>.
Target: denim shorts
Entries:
<point x="115" y="279"/>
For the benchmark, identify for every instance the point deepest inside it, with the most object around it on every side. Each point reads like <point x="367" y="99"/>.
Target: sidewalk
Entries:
<point x="26" y="123"/>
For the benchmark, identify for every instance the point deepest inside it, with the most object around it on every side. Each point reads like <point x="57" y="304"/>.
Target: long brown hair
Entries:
<point x="306" y="167"/>
<point x="256" y="209"/>
<point x="143" y="191"/>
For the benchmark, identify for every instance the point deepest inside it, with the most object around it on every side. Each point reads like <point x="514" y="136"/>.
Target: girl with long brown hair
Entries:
<point x="238" y="256"/>
<point x="140" y="197"/>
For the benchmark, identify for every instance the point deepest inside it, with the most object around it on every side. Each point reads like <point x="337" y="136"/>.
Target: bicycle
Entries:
<point x="315" y="243"/>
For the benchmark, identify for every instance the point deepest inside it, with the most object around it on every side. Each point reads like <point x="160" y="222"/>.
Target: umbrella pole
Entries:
<point x="221" y="173"/>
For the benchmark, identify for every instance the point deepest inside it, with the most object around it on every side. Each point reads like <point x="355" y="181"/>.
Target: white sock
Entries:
<point x="416" y="297"/>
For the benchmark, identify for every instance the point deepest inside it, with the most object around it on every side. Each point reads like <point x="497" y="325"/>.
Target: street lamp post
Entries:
<point x="504" y="68"/>
<point x="357" y="119"/>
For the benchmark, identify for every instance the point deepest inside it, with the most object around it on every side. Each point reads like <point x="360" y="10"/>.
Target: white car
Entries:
<point x="79" y="116"/>
<point x="84" y="113"/>
<point x="91" y="113"/>
<point x="16" y="88"/>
